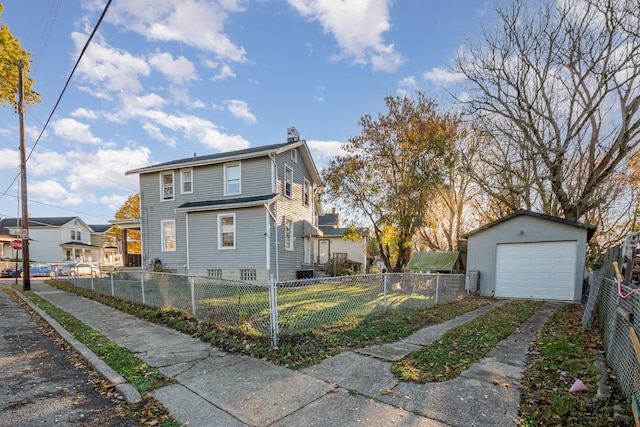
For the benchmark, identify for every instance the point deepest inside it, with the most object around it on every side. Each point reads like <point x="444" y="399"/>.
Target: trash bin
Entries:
<point x="306" y="273"/>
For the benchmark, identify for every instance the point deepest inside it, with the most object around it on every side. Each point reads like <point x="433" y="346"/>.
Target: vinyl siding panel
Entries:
<point x="250" y="240"/>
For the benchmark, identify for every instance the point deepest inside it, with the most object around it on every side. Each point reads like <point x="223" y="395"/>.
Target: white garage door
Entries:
<point x="536" y="270"/>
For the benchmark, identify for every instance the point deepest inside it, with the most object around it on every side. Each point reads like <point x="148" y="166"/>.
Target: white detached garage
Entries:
<point x="528" y="255"/>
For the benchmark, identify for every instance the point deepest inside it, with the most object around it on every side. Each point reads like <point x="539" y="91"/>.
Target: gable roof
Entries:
<point x="230" y="156"/>
<point x="591" y="229"/>
<point x="432" y="261"/>
<point x="41" y="222"/>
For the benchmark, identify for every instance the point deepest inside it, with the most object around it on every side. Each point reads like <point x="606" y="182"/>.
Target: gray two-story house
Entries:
<point x="245" y="215"/>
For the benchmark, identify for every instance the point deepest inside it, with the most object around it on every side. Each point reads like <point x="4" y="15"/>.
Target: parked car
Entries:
<point x="36" y="269"/>
<point x="60" y="270"/>
<point x="84" y="269"/>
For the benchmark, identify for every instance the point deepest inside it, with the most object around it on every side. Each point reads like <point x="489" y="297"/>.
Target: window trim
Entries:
<point x="162" y="187"/>
<point x="182" y="181"/>
<point x="290" y="234"/>
<point x="163" y="237"/>
<point x="220" y="240"/>
<point x="306" y="193"/>
<point x="226" y="182"/>
<point x="284" y="181"/>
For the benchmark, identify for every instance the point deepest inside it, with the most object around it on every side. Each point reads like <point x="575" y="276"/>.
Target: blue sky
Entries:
<point x="164" y="79"/>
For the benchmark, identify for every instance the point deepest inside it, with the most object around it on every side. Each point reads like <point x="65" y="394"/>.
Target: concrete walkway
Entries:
<point x="215" y="388"/>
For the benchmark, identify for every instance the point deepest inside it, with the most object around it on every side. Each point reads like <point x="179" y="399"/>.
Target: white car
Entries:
<point x="84" y="269"/>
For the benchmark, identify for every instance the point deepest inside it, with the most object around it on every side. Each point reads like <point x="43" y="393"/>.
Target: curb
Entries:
<point x="128" y="391"/>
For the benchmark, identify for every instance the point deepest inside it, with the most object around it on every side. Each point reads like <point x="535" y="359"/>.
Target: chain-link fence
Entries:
<point x="282" y="307"/>
<point x="618" y="312"/>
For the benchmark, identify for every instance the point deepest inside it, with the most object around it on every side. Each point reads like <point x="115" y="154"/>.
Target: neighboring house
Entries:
<point x="110" y="255"/>
<point x="6" y="238"/>
<point x="330" y="244"/>
<point x="529" y="255"/>
<point x="55" y="239"/>
<point x="433" y="262"/>
<point x="245" y="214"/>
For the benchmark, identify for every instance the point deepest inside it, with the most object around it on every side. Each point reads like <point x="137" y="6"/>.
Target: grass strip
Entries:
<point x="461" y="347"/>
<point x="135" y="371"/>
<point x="562" y="353"/>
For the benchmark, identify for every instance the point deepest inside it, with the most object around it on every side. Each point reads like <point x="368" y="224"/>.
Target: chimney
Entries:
<point x="292" y="134"/>
<point x="333" y="210"/>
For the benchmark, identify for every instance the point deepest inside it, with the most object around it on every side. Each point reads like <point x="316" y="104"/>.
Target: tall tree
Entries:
<point x="10" y="56"/>
<point x="392" y="169"/>
<point x="555" y="90"/>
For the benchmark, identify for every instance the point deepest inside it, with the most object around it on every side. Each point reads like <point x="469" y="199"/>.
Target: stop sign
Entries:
<point x="16" y="244"/>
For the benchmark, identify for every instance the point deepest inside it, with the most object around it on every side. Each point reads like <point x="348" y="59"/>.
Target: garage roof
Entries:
<point x="591" y="229"/>
<point x="432" y="261"/>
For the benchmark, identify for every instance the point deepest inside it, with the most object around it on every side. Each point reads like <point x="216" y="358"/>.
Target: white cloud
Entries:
<point x="10" y="159"/>
<point x="442" y="77"/>
<point x="323" y="151"/>
<point x="53" y="190"/>
<point x="199" y="24"/>
<point x="178" y="70"/>
<point x="83" y="113"/>
<point x="110" y="68"/>
<point x="240" y="110"/>
<point x="406" y="85"/>
<point x="74" y="131"/>
<point x="358" y="27"/>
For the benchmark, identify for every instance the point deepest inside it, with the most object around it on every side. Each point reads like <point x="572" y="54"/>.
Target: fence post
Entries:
<point x="273" y="311"/>
<point x="437" y="286"/>
<point x="92" y="282"/>
<point x="112" y="287"/>
<point x="384" y="281"/>
<point x="142" y="286"/>
<point x="193" y="296"/>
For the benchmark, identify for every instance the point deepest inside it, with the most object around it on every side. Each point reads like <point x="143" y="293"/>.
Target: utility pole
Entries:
<point x="24" y="231"/>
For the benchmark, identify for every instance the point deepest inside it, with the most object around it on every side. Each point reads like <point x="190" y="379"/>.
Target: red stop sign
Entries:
<point x="16" y="244"/>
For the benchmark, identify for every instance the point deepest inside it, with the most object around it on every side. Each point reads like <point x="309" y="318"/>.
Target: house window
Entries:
<point x="227" y="231"/>
<point x="166" y="185"/>
<point x="294" y="155"/>
<point x="248" y="274"/>
<point x="288" y="234"/>
<point x="288" y="181"/>
<point x="231" y="179"/>
<point x="216" y="273"/>
<point x="187" y="181"/>
<point x="168" y="235"/>
<point x="75" y="235"/>
<point x="306" y="193"/>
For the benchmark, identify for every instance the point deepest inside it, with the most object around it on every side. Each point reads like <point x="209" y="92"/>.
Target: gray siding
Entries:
<point x="482" y="246"/>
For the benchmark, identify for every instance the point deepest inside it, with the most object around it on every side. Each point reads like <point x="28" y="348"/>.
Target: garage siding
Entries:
<point x="541" y="270"/>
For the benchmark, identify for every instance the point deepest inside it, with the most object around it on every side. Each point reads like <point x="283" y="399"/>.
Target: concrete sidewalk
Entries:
<point x="215" y="388"/>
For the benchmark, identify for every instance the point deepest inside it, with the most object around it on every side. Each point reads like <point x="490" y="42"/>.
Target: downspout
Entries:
<point x="187" y="241"/>
<point x="274" y="176"/>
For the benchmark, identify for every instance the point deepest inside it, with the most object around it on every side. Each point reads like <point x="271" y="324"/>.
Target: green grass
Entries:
<point x="562" y="353"/>
<point x="461" y="347"/>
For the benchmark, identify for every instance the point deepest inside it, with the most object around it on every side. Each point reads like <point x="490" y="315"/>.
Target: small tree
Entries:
<point x="11" y="54"/>
<point x="130" y="209"/>
<point x="392" y="170"/>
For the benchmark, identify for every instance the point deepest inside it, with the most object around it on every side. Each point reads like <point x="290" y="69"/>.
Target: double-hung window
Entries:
<point x="168" y="235"/>
<point x="288" y="181"/>
<point x="227" y="231"/>
<point x="166" y="186"/>
<point x="288" y="234"/>
<point x="187" y="180"/>
<point x="232" y="179"/>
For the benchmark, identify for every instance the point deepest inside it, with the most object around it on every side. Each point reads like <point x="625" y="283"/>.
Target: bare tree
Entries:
<point x="555" y="92"/>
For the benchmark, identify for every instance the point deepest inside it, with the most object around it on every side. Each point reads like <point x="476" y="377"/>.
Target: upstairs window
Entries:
<point x="306" y="193"/>
<point x="187" y="181"/>
<point x="168" y="235"/>
<point x="166" y="186"/>
<point x="294" y="155"/>
<point x="288" y="234"/>
<point x="75" y="235"/>
<point x="288" y="181"/>
<point x="232" y="179"/>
